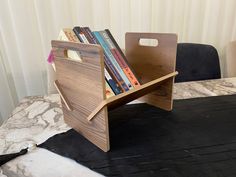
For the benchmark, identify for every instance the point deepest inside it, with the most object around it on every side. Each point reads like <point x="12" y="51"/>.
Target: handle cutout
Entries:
<point x="73" y="55"/>
<point x="148" y="42"/>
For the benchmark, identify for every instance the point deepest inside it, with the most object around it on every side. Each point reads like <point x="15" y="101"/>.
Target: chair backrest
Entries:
<point x="197" y="62"/>
<point x="230" y="64"/>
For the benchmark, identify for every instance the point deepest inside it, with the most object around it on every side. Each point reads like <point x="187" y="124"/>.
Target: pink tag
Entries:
<point x="50" y="57"/>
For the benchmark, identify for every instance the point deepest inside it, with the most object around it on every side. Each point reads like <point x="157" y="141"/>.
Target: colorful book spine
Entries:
<point x="110" y="68"/>
<point x="119" y="58"/>
<point x="92" y="37"/>
<point x="87" y="35"/>
<point x="110" y="81"/>
<point x="112" y="59"/>
<point x="77" y="30"/>
<point x="109" y="92"/>
<point x="122" y="59"/>
<point x="115" y="75"/>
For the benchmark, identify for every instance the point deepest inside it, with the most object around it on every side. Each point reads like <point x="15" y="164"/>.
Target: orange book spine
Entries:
<point x="130" y="75"/>
<point x="116" y="52"/>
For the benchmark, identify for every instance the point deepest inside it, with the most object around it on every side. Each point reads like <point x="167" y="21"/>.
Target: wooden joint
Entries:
<point x="97" y="110"/>
<point x="63" y="97"/>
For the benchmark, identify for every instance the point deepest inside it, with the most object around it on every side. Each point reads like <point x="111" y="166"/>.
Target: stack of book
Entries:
<point x="118" y="73"/>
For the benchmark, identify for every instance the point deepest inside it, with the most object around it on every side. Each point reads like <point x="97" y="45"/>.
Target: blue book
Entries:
<point x="112" y="83"/>
<point x="114" y="86"/>
<point x="108" y="63"/>
<point x="112" y="58"/>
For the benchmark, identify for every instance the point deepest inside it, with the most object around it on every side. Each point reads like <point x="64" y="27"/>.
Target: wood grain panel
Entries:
<point x="83" y="85"/>
<point x="151" y="63"/>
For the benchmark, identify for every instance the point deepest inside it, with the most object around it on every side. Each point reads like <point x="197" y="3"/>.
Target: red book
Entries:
<point x="120" y="57"/>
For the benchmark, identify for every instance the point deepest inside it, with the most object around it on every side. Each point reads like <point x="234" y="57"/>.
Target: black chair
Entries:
<point x="197" y="62"/>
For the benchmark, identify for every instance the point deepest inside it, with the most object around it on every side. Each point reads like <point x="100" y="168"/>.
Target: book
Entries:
<point x="112" y="83"/>
<point x="90" y="34"/>
<point x="67" y="34"/>
<point x="120" y="57"/>
<point x="110" y="68"/>
<point x="115" y="75"/>
<point x="83" y="36"/>
<point x="112" y="59"/>
<point x="77" y="30"/>
<point x="86" y="32"/>
<point x="109" y="92"/>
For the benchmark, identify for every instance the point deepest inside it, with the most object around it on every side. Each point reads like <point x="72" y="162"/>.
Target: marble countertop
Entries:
<point x="37" y="118"/>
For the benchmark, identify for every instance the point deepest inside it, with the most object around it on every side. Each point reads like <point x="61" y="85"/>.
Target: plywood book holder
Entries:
<point x="81" y="85"/>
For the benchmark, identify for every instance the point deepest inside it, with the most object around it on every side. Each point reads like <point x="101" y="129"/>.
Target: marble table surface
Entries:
<point x="37" y="118"/>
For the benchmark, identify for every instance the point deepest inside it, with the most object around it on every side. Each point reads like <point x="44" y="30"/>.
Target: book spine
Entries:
<point x="114" y="73"/>
<point x="115" y="49"/>
<point x="71" y="36"/>
<point x="86" y="34"/>
<point x="89" y="32"/>
<point x="110" y="68"/>
<point x="112" y="59"/>
<point x="109" y="92"/>
<point x="110" y="81"/>
<point x="77" y="31"/>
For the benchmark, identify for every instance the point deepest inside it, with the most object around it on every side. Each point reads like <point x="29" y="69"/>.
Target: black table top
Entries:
<point x="196" y="139"/>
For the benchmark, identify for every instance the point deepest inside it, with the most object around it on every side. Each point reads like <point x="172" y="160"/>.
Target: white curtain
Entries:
<point x="27" y="27"/>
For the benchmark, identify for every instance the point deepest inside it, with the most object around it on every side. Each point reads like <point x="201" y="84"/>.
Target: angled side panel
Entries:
<point x="152" y="62"/>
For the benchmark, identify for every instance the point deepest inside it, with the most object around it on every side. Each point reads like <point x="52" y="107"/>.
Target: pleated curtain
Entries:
<point x="28" y="26"/>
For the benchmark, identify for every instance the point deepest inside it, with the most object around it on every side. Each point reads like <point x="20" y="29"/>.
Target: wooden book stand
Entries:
<point x="81" y="85"/>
